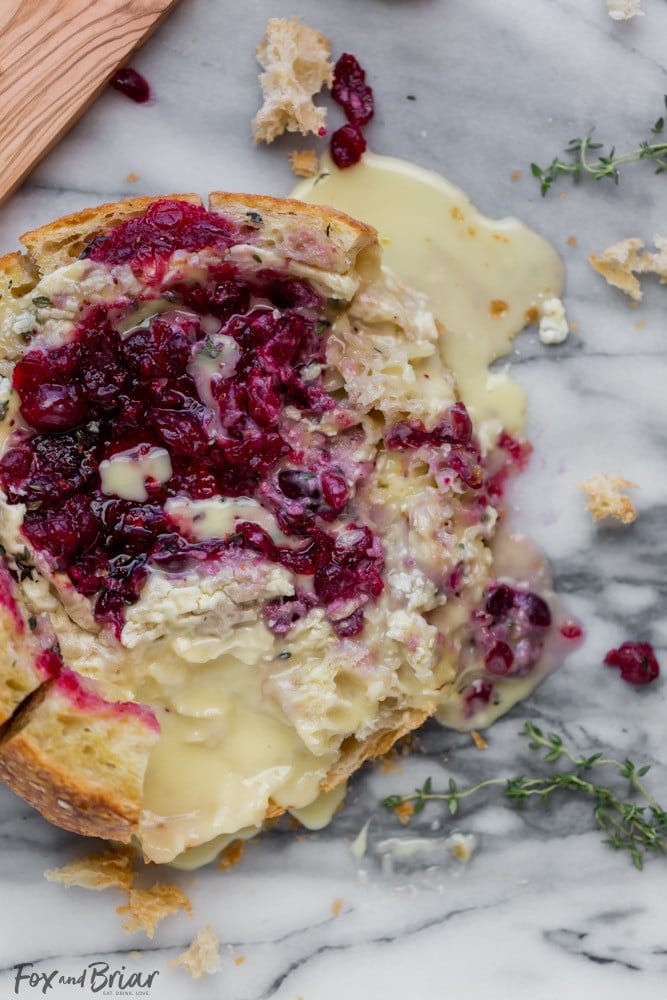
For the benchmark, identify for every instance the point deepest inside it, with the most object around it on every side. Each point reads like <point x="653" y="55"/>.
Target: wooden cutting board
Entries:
<point x="55" y="57"/>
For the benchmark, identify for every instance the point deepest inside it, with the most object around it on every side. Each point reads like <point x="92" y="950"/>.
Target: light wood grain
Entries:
<point x="55" y="57"/>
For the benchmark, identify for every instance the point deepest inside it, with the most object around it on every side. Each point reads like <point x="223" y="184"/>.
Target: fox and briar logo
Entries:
<point x="99" y="977"/>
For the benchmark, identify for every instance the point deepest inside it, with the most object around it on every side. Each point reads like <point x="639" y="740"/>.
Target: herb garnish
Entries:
<point x="24" y="567"/>
<point x="41" y="301"/>
<point x="603" y="164"/>
<point x="628" y="825"/>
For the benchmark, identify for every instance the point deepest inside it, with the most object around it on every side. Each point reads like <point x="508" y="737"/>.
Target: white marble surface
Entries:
<point x="543" y="910"/>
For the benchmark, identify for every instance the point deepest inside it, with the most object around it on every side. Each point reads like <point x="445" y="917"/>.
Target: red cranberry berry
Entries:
<point x="351" y="91"/>
<point x="637" y="662"/>
<point x="347" y="146"/>
<point x="571" y="630"/>
<point x="131" y="83"/>
<point x="499" y="659"/>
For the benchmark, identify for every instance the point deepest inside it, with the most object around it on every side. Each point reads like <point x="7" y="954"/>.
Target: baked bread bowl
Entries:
<point x="247" y="523"/>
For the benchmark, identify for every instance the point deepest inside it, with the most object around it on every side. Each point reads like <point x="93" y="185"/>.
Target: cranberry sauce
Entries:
<point x="103" y="393"/>
<point x="636" y="660"/>
<point x="127" y="81"/>
<point x="146" y="243"/>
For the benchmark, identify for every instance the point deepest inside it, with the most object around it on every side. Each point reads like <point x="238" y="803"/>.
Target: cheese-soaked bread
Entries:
<point x="246" y="520"/>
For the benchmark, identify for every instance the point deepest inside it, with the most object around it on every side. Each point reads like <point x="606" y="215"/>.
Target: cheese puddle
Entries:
<point x="485" y="279"/>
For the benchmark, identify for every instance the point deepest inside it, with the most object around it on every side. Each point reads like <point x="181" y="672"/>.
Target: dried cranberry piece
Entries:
<point x="637" y="662"/>
<point x="131" y="83"/>
<point x="500" y="601"/>
<point x="262" y="399"/>
<point x="316" y="554"/>
<point x="347" y="146"/>
<point x="348" y="627"/>
<point x="53" y="407"/>
<point x="476" y="696"/>
<point x="334" y="490"/>
<point x="335" y="582"/>
<point x="351" y="91"/>
<point x="182" y="430"/>
<point x="283" y="612"/>
<point x="288" y="293"/>
<point x="534" y="608"/>
<point x="161" y="349"/>
<point x="499" y="659"/>
<point x="89" y="572"/>
<point x="254" y="537"/>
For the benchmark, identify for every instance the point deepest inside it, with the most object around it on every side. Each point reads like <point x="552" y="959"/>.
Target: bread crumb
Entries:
<point x="404" y="811"/>
<point x="620" y="263"/>
<point x="639" y="325"/>
<point x="132" y="177"/>
<point x="336" y="907"/>
<point x="147" y="907"/>
<point x="304" y="162"/>
<point x="606" y="500"/>
<point x="295" y="59"/>
<point x="479" y="740"/>
<point x="203" y="955"/>
<point x="231" y="855"/>
<point x="572" y="241"/>
<point x="239" y="960"/>
<point x="621" y="10"/>
<point x="463" y="846"/>
<point x="109" y="870"/>
<point x="516" y="175"/>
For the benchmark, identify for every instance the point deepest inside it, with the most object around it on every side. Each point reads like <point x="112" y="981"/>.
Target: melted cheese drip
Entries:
<point x="483" y="277"/>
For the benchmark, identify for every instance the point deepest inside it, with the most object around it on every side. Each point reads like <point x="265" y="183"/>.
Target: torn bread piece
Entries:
<point x="606" y="499"/>
<point x="146" y="908"/>
<point x="109" y="870"/>
<point x="623" y="10"/>
<point x="620" y="264"/>
<point x="296" y="66"/>
<point x="203" y="955"/>
<point x="304" y="162"/>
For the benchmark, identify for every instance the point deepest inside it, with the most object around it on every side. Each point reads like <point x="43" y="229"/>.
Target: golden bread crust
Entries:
<point x="62" y="241"/>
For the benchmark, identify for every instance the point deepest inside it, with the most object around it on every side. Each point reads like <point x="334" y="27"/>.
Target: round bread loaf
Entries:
<point x="246" y="521"/>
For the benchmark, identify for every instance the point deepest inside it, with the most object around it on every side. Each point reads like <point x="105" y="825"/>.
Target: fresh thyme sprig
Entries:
<point x="602" y="164"/>
<point x="628" y="825"/>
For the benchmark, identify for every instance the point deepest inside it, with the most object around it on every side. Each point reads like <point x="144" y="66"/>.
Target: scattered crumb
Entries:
<point x="336" y="907"/>
<point x="295" y="59"/>
<point x="304" y="162"/>
<point x="203" y="955"/>
<point x="516" y="175"/>
<point x="606" y="500"/>
<point x="462" y="846"/>
<point x="620" y="263"/>
<point x="404" y="812"/>
<point x="239" y="960"/>
<point x="532" y="315"/>
<point x="360" y="842"/>
<point x="574" y="326"/>
<point x="293" y="823"/>
<point x="231" y="855"/>
<point x="132" y="177"/>
<point x="456" y="213"/>
<point x="109" y="870"/>
<point x="147" y="907"/>
<point x="553" y="328"/>
<point x="621" y="10"/>
<point x="479" y="740"/>
<point x="639" y="325"/>
<point x="572" y="241"/>
<point x="498" y="308"/>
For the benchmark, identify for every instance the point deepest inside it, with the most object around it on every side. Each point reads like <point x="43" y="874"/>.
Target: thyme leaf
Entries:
<point x="603" y="163"/>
